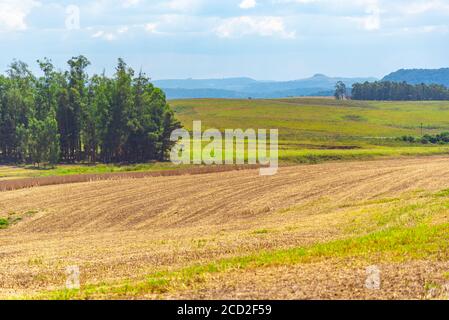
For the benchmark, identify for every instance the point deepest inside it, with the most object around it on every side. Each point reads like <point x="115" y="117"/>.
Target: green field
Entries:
<point x="29" y="171"/>
<point x="311" y="130"/>
<point x="320" y="129"/>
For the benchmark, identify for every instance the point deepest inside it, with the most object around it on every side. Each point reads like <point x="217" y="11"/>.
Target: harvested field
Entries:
<point x="15" y="184"/>
<point x="195" y="236"/>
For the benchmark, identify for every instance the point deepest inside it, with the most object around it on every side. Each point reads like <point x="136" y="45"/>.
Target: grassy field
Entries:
<point x="321" y="129"/>
<point x="8" y="172"/>
<point x="320" y="121"/>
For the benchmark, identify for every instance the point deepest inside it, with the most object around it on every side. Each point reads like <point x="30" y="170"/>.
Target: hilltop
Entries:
<point x="418" y="76"/>
<point x="318" y="85"/>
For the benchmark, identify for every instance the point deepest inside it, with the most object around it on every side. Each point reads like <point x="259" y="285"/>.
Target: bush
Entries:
<point x="410" y="139"/>
<point x="442" y="138"/>
<point x="4" y="223"/>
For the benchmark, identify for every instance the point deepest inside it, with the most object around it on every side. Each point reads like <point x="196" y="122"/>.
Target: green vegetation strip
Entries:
<point x="4" y="223"/>
<point x="320" y="156"/>
<point x="395" y="244"/>
<point x="14" y="218"/>
<point x="65" y="170"/>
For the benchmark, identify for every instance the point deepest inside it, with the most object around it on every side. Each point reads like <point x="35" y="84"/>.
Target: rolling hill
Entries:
<point x="318" y="85"/>
<point x="418" y="76"/>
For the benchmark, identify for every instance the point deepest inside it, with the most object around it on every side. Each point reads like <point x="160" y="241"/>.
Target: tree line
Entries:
<point x="441" y="138"/>
<point x="69" y="116"/>
<point x="398" y="91"/>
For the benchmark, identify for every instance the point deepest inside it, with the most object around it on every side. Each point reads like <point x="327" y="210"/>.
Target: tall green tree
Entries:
<point x="41" y="141"/>
<point x="77" y="104"/>
<point x="16" y="107"/>
<point x="340" y="91"/>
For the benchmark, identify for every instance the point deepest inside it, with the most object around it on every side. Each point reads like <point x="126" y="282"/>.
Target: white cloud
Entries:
<point x="98" y="34"/>
<point x="151" y="27"/>
<point x="108" y="36"/>
<point x="372" y="21"/>
<point x="420" y="7"/>
<point x="248" y="4"/>
<point x="441" y="29"/>
<point x="122" y="30"/>
<point x="130" y="3"/>
<point x="261" y="26"/>
<point x="299" y="1"/>
<point x="13" y="14"/>
<point x="184" y="5"/>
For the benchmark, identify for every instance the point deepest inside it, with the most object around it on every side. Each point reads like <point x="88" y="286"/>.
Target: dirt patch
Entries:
<point x="418" y="280"/>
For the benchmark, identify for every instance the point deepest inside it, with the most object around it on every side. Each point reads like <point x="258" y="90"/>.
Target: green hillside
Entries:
<point x="315" y="129"/>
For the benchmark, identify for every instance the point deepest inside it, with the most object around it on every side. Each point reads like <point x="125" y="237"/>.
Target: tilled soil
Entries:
<point x="127" y="228"/>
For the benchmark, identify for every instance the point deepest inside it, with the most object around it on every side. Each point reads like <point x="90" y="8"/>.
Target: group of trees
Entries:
<point x="398" y="91"/>
<point x="442" y="138"/>
<point x="69" y="116"/>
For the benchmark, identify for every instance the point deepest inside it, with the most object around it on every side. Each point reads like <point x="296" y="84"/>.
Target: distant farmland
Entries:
<point x="318" y="129"/>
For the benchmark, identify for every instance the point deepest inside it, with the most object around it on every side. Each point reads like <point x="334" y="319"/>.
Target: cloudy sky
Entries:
<point x="263" y="39"/>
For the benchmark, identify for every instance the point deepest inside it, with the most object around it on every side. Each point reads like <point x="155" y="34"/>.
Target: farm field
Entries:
<point x="308" y="232"/>
<point x="306" y="120"/>
<point x="313" y="130"/>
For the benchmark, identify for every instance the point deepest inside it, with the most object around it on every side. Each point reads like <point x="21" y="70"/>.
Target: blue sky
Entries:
<point x="263" y="39"/>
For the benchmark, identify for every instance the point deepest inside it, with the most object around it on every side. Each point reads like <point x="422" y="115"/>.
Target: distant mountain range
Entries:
<point x="418" y="76"/>
<point x="318" y="85"/>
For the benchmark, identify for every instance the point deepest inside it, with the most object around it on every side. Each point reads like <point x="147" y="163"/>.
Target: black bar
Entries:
<point x="226" y="309"/>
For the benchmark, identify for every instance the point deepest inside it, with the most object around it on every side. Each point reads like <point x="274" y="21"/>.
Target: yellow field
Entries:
<point x="307" y="232"/>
